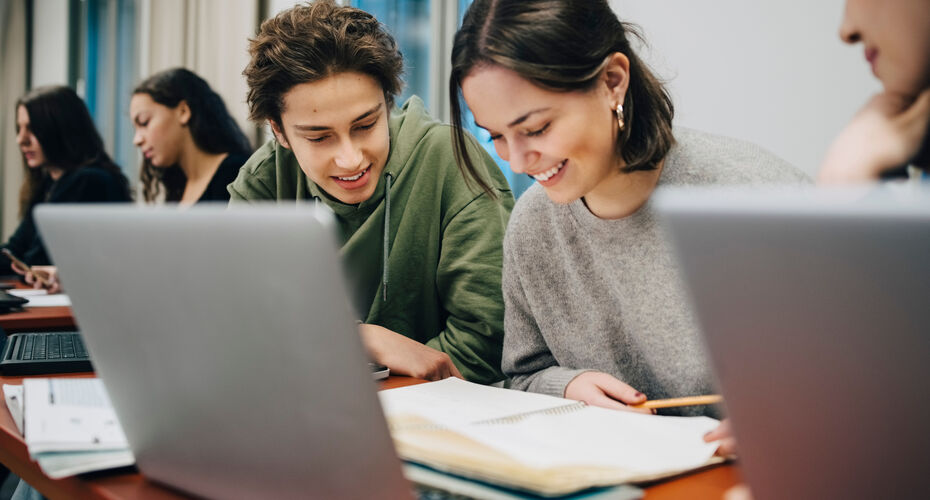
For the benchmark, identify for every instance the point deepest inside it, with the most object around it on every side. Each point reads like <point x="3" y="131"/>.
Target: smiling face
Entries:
<point x="564" y="140"/>
<point x="160" y="130"/>
<point x="26" y="140"/>
<point x="896" y="36"/>
<point x="337" y="128"/>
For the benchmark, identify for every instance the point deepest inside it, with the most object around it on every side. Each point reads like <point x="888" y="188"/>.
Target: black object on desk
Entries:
<point x="43" y="353"/>
<point x="10" y="302"/>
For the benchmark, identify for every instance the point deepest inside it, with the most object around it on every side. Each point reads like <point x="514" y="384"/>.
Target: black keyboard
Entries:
<point x="45" y="352"/>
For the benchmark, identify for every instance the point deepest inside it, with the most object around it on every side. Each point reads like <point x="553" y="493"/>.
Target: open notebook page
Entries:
<point x="592" y="436"/>
<point x="455" y="401"/>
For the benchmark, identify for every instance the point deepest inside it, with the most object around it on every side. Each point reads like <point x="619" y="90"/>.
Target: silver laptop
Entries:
<point x="226" y="343"/>
<point x="815" y="306"/>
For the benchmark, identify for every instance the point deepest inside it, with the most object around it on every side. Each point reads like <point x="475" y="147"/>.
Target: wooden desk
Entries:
<point x="110" y="485"/>
<point x="36" y="318"/>
<point x="98" y="486"/>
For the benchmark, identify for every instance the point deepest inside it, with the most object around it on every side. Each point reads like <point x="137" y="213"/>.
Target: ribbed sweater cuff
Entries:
<point x="554" y="380"/>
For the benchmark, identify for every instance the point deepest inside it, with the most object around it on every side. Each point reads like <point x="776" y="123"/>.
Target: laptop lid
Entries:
<point x="814" y="306"/>
<point x="225" y="340"/>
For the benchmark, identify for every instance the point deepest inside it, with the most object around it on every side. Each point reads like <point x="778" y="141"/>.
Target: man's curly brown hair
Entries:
<point x="312" y="41"/>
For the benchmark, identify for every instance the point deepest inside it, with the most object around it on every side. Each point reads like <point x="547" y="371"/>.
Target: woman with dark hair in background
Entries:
<point x="64" y="162"/>
<point x="191" y="147"/>
<point x="594" y="307"/>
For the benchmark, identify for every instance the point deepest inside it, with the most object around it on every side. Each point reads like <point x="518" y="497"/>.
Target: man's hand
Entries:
<point x="405" y="356"/>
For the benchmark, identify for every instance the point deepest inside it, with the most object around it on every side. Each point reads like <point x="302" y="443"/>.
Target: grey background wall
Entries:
<point x="773" y="72"/>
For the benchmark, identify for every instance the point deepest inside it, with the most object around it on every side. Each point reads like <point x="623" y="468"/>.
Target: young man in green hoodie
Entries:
<point x="421" y="246"/>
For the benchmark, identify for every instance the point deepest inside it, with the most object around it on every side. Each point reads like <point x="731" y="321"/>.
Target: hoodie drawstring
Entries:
<point x="388" y="178"/>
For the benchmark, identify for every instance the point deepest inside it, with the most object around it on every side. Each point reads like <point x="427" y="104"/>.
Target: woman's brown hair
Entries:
<point x="211" y="126"/>
<point x="311" y="41"/>
<point x="62" y="125"/>
<point x="561" y="45"/>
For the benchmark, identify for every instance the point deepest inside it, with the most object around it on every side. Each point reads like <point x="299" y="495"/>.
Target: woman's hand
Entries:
<point x="48" y="281"/>
<point x="48" y="275"/>
<point x="888" y="132"/>
<point x="405" y="356"/>
<point x="724" y="434"/>
<point x="601" y="389"/>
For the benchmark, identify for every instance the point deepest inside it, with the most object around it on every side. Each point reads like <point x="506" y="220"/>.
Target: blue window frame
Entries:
<point x="518" y="182"/>
<point x="107" y="70"/>
<point x="409" y="21"/>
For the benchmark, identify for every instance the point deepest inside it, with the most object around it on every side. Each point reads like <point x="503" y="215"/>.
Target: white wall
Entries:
<point x="275" y="6"/>
<point x="49" y="59"/>
<point x="13" y="59"/>
<point x="209" y="37"/>
<point x="773" y="72"/>
<point x="50" y="43"/>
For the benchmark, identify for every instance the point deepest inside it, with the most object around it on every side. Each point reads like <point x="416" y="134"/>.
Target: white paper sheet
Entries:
<point x="59" y="465"/>
<point x="454" y="400"/>
<point x="41" y="298"/>
<point x="13" y="395"/>
<point x="26" y="292"/>
<point x="62" y="414"/>
<point x="645" y="444"/>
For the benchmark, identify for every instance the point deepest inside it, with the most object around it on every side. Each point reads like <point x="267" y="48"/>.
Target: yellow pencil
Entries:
<point x="710" y="399"/>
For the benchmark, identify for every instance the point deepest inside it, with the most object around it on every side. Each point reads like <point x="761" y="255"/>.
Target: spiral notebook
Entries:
<point x="541" y="444"/>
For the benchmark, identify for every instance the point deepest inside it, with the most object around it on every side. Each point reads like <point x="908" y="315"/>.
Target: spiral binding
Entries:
<point x="512" y="419"/>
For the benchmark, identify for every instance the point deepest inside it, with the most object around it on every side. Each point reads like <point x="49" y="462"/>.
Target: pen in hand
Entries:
<point x="41" y="277"/>
<point x="710" y="399"/>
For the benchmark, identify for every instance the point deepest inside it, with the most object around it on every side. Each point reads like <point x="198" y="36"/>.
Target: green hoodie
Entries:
<point x="444" y="239"/>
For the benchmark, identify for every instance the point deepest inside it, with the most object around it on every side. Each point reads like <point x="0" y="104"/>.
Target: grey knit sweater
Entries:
<point x="583" y="293"/>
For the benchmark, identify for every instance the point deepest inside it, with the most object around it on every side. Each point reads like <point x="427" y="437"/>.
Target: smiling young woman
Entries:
<point x="594" y="308"/>
<point x="422" y="248"/>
